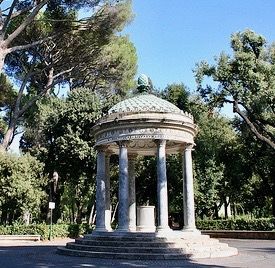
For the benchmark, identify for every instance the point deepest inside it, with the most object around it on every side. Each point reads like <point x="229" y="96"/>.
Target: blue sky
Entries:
<point x="172" y="36"/>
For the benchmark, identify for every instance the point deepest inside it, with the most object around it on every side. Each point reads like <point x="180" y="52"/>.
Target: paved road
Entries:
<point x="252" y="253"/>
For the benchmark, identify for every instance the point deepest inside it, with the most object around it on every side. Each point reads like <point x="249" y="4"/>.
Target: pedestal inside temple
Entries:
<point x="146" y="219"/>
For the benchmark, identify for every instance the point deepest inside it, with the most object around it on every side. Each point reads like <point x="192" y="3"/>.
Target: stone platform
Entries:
<point x="147" y="246"/>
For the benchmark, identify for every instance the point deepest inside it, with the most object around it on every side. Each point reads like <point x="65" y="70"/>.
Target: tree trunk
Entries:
<point x="216" y="211"/>
<point x="234" y="210"/>
<point x="91" y="214"/>
<point x="252" y="127"/>
<point x="226" y="205"/>
<point x="73" y="213"/>
<point x="8" y="135"/>
<point x="114" y="212"/>
<point x="2" y="57"/>
<point x="49" y="82"/>
<point x="26" y="217"/>
<point x="273" y="195"/>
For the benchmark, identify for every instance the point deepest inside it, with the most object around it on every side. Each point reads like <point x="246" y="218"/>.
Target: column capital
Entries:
<point x="160" y="142"/>
<point x="189" y="146"/>
<point x="108" y="153"/>
<point x="101" y="148"/>
<point x="123" y="143"/>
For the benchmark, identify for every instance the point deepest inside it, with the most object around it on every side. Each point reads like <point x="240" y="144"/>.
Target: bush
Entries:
<point x="264" y="224"/>
<point x="58" y="230"/>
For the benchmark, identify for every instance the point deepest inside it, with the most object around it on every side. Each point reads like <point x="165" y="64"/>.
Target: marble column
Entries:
<point x="132" y="193"/>
<point x="188" y="190"/>
<point x="107" y="191"/>
<point x="123" y="207"/>
<point x="100" y="190"/>
<point x="162" y="187"/>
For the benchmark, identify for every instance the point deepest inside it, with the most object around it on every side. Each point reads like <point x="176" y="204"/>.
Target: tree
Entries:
<point x="26" y="12"/>
<point x="247" y="81"/>
<point x="39" y="69"/>
<point x="113" y="70"/>
<point x="59" y="135"/>
<point x="177" y="94"/>
<point x="21" y="187"/>
<point x="253" y="163"/>
<point x="215" y="141"/>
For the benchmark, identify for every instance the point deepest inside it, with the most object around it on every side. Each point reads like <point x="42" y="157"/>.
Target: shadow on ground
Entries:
<point x="266" y="250"/>
<point x="39" y="256"/>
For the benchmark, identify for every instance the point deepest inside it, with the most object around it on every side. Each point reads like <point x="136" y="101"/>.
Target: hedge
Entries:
<point x="58" y="230"/>
<point x="263" y="224"/>
<point x="76" y="230"/>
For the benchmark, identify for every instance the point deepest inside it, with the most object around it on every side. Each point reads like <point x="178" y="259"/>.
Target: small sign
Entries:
<point x="51" y="205"/>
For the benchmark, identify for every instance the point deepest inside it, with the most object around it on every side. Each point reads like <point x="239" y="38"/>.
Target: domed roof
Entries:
<point x="143" y="119"/>
<point x="144" y="103"/>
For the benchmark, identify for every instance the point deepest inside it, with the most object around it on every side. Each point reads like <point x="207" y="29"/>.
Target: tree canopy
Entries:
<point x="245" y="80"/>
<point x="59" y="49"/>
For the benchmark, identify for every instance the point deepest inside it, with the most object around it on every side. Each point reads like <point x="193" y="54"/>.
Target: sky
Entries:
<point x="172" y="36"/>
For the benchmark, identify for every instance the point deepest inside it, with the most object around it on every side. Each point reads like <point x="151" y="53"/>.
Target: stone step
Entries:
<point x="209" y="241"/>
<point x="121" y="234"/>
<point x="124" y="238"/>
<point x="21" y="237"/>
<point x="205" y="249"/>
<point x="132" y="256"/>
<point x="215" y="253"/>
<point x="170" y="243"/>
<point x="123" y="249"/>
<point x="138" y="246"/>
<point x="124" y="243"/>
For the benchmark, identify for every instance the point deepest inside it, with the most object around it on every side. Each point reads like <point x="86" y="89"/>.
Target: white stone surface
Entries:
<point x="123" y="207"/>
<point x="162" y="192"/>
<point x="188" y="190"/>
<point x="100" y="191"/>
<point x="146" y="219"/>
<point x="132" y="193"/>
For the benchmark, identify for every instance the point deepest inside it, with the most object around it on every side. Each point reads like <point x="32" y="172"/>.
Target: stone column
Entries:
<point x="188" y="190"/>
<point x="123" y="207"/>
<point x="162" y="187"/>
<point x="132" y="193"/>
<point x="100" y="190"/>
<point x="107" y="190"/>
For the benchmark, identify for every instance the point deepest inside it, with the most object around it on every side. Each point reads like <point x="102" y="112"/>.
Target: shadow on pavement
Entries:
<point x="267" y="250"/>
<point x="44" y="256"/>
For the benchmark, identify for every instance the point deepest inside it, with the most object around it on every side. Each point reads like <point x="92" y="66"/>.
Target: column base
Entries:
<point x="100" y="230"/>
<point x="146" y="229"/>
<point x="132" y="228"/>
<point x="122" y="230"/>
<point x="191" y="230"/>
<point x="164" y="231"/>
<point x="108" y="220"/>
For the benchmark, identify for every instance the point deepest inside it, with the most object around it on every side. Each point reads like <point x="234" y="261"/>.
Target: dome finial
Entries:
<point x="143" y="83"/>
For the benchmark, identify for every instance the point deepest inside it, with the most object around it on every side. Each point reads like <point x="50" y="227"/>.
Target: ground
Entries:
<point x="252" y="253"/>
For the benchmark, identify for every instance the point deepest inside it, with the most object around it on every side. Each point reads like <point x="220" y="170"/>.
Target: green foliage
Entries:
<point x="63" y="141"/>
<point x="95" y="55"/>
<point x="246" y="80"/>
<point x="117" y="64"/>
<point x="21" y="186"/>
<point x="177" y="94"/>
<point x="146" y="181"/>
<point x="208" y="182"/>
<point x="58" y="230"/>
<point x="7" y="92"/>
<point x="254" y="164"/>
<point x="215" y="142"/>
<point x="262" y="224"/>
